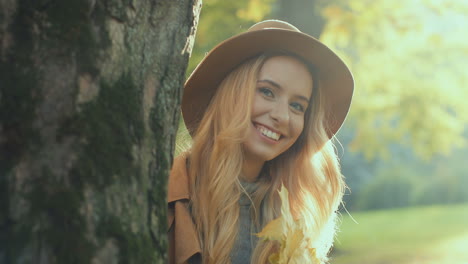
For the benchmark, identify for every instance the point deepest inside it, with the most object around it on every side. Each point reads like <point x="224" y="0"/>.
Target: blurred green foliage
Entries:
<point x="423" y="235"/>
<point x="405" y="180"/>
<point x="387" y="191"/>
<point x="408" y="59"/>
<point x="220" y="19"/>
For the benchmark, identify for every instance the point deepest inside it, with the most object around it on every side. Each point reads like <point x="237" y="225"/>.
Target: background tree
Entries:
<point x="89" y="99"/>
<point x="408" y="60"/>
<point x="304" y="14"/>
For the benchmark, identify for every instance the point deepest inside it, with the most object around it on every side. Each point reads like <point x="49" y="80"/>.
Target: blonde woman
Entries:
<point x="261" y="108"/>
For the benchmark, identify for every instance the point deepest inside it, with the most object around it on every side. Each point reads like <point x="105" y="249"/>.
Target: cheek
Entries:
<point x="297" y="127"/>
<point x="258" y="106"/>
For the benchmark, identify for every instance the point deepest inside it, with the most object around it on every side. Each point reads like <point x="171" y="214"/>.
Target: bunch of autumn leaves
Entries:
<point x="295" y="242"/>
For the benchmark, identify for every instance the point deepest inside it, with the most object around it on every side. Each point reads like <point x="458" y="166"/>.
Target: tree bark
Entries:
<point x="89" y="107"/>
<point x="304" y="14"/>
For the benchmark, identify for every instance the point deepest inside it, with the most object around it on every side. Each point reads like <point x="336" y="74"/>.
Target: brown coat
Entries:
<point x="183" y="239"/>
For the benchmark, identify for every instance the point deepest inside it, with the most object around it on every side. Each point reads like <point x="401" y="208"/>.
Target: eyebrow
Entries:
<point x="279" y="87"/>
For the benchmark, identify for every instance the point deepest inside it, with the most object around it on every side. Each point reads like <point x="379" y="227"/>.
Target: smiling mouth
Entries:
<point x="268" y="133"/>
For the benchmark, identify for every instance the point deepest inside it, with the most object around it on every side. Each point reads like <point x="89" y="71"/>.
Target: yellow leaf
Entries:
<point x="285" y="210"/>
<point x="293" y="242"/>
<point x="294" y="246"/>
<point x="273" y="258"/>
<point x="273" y="230"/>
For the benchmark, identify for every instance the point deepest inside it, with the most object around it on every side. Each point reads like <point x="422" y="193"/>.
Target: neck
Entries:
<point x="251" y="170"/>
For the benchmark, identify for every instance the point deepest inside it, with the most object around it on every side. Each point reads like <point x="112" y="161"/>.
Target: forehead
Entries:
<point x="289" y="73"/>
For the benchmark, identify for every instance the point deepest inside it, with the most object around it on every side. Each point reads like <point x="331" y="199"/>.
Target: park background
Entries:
<point x="403" y="147"/>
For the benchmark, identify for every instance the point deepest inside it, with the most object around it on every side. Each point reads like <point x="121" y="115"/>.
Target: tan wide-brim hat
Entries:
<point x="335" y="79"/>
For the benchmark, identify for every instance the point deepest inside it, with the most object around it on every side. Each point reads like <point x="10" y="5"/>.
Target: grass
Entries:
<point x="426" y="235"/>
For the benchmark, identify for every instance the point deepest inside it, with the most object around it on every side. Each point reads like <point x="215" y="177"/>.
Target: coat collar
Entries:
<point x="183" y="239"/>
<point x="178" y="187"/>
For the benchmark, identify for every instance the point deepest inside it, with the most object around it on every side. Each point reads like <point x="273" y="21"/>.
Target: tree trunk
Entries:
<point x="89" y="107"/>
<point x="304" y="14"/>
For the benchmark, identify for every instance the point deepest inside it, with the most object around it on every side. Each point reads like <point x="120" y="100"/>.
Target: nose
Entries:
<point x="280" y="113"/>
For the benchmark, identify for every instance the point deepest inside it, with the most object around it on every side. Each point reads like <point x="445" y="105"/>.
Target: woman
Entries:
<point x="261" y="107"/>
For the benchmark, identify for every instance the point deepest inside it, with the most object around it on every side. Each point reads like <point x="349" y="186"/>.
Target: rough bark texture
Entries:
<point x="89" y="99"/>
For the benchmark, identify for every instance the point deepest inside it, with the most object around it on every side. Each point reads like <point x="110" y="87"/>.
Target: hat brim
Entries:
<point x="335" y="79"/>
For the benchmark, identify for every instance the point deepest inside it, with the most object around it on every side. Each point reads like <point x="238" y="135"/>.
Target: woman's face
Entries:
<point x="282" y="94"/>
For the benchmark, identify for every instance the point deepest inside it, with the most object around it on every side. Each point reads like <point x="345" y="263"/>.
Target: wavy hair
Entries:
<point x="309" y="169"/>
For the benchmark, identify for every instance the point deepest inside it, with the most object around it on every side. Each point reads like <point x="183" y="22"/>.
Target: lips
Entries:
<point x="268" y="133"/>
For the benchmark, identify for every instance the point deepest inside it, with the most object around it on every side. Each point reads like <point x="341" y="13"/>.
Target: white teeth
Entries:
<point x="268" y="133"/>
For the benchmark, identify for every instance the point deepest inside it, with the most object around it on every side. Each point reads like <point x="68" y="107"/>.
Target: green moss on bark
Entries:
<point x="19" y="93"/>
<point x="72" y="32"/>
<point x="19" y="97"/>
<point x="53" y="222"/>
<point x="76" y="28"/>
<point x="159" y="172"/>
<point x="158" y="206"/>
<point x="109" y="130"/>
<point x="133" y="247"/>
<point x="112" y="125"/>
<point x="63" y="227"/>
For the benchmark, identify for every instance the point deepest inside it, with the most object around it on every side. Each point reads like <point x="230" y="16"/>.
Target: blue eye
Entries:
<point x="297" y="107"/>
<point x="266" y="92"/>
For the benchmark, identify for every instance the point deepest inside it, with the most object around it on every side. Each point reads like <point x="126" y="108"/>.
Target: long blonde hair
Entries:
<point x="309" y="170"/>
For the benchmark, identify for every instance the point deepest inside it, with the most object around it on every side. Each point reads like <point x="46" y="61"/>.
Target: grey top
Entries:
<point x="246" y="239"/>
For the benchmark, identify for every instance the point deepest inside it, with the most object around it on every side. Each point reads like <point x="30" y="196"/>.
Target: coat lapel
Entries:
<point x="183" y="238"/>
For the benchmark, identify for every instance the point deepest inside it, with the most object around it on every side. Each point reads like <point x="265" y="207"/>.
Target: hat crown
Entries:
<point x="273" y="23"/>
